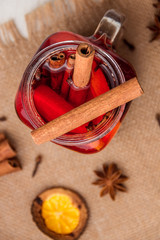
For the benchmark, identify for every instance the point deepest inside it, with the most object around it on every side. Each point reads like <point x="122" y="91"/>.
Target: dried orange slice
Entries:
<point x="60" y="213"/>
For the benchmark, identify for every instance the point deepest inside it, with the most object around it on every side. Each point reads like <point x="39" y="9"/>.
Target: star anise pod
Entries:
<point x="157" y="5"/>
<point x="110" y="179"/>
<point x="155" y="28"/>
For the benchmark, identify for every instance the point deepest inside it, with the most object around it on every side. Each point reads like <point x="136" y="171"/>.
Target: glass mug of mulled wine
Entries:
<point x="47" y="90"/>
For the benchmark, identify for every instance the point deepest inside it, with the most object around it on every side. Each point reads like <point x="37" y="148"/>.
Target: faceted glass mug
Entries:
<point x="93" y="136"/>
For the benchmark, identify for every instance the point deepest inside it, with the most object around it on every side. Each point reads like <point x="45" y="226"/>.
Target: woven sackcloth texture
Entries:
<point x="135" y="148"/>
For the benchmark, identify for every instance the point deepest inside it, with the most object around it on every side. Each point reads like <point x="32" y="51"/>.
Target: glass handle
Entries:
<point x="109" y="27"/>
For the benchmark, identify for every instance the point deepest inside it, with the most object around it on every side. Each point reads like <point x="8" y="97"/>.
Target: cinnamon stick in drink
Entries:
<point x="56" y="61"/>
<point x="88" y="111"/>
<point x="81" y="74"/>
<point x="83" y="65"/>
<point x="65" y="86"/>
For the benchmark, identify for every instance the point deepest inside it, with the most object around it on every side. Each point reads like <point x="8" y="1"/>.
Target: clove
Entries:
<point x="38" y="160"/>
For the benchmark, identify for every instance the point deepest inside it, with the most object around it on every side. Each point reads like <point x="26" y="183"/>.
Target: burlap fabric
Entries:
<point x="136" y="147"/>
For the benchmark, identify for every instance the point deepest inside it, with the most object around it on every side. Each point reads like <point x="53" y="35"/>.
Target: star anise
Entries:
<point x="155" y="28"/>
<point x="110" y="179"/>
<point x="157" y="5"/>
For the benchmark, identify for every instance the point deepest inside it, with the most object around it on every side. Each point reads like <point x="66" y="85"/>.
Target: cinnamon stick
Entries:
<point x="6" y="151"/>
<point x="83" y="65"/>
<point x="71" y="61"/>
<point x="57" y="60"/>
<point x="81" y="74"/>
<point x="88" y="111"/>
<point x="9" y="166"/>
<point x="65" y="85"/>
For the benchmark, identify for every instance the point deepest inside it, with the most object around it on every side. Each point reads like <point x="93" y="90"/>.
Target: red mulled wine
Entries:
<point x="47" y="90"/>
